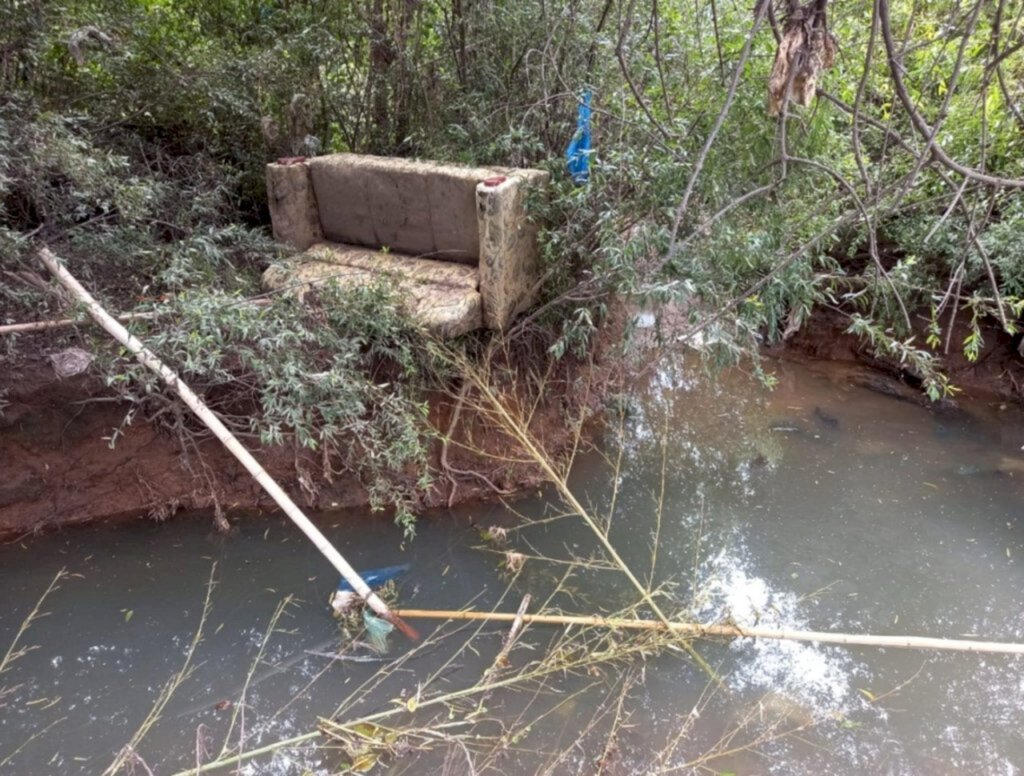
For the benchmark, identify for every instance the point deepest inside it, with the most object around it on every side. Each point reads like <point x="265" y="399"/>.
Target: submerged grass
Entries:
<point x="129" y="755"/>
<point x="526" y="700"/>
<point x="238" y="708"/>
<point x="540" y="696"/>
<point x="517" y="427"/>
<point x="16" y="650"/>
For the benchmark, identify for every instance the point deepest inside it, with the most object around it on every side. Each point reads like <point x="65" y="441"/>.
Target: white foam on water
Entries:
<point x="819" y="677"/>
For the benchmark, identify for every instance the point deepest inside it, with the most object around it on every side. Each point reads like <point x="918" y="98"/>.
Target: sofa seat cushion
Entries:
<point x="442" y="296"/>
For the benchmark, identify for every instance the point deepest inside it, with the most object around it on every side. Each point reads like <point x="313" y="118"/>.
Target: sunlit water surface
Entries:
<point x="821" y="506"/>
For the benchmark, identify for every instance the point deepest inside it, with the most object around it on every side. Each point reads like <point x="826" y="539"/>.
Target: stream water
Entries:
<point x="821" y="505"/>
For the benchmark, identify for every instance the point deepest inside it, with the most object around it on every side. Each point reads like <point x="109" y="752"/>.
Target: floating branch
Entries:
<point x="518" y="430"/>
<point x="696" y="630"/>
<point x="149" y="359"/>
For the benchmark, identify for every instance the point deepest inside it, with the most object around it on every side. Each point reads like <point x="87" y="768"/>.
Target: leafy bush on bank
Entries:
<point x="133" y="135"/>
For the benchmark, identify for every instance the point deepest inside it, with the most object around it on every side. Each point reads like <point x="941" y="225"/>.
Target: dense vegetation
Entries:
<point x="133" y="134"/>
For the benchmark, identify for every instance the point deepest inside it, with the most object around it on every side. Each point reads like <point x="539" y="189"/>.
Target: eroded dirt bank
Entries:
<point x="997" y="373"/>
<point x="59" y="467"/>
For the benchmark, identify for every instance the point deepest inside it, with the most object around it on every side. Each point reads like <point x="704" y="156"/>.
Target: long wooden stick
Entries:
<point x="61" y="323"/>
<point x="733" y="631"/>
<point x="149" y="359"/>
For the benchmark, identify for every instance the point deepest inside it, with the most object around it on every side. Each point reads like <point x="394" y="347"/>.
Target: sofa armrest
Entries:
<point x="509" y="267"/>
<point x="293" y="208"/>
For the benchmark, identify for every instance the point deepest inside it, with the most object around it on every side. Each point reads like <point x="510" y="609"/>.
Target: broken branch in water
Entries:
<point x="696" y="630"/>
<point x="514" y="425"/>
<point x="149" y="359"/>
<point x="501" y="660"/>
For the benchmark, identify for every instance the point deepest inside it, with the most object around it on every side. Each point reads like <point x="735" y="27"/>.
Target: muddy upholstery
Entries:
<point x="415" y="208"/>
<point x="454" y="241"/>
<point x="293" y="209"/>
<point x="443" y="296"/>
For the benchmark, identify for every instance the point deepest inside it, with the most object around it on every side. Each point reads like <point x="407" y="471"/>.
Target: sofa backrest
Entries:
<point x="417" y="208"/>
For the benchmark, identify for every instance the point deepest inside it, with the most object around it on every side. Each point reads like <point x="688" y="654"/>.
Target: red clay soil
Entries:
<point x="998" y="372"/>
<point x="57" y="467"/>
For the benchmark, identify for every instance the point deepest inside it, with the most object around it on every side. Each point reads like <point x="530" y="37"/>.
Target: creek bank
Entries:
<point x="60" y="467"/>
<point x="997" y="374"/>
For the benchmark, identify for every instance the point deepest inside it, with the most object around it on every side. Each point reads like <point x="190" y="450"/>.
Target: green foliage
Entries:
<point x="133" y="136"/>
<point x="135" y="231"/>
<point x="340" y="375"/>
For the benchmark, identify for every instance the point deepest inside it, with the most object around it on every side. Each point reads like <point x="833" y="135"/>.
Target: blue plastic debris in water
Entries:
<point x="577" y="155"/>
<point x="376" y="577"/>
<point x="377" y="632"/>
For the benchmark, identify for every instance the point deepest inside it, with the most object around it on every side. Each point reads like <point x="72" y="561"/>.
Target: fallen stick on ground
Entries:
<point x="149" y="359"/>
<point x="62" y="323"/>
<point x="695" y="630"/>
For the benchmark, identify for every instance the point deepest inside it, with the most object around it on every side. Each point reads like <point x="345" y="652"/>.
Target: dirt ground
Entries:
<point x="998" y="372"/>
<point x="59" y="467"/>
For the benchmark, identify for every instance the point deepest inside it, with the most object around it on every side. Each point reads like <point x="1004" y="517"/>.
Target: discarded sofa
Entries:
<point x="454" y="240"/>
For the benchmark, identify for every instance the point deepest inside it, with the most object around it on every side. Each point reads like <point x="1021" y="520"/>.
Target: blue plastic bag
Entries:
<point x="377" y="577"/>
<point x="577" y="155"/>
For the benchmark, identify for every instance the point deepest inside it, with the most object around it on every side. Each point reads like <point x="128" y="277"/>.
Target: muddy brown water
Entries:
<point x="821" y="505"/>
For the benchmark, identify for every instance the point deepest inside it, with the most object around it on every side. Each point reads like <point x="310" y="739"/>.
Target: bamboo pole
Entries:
<point x="697" y="630"/>
<point x="149" y="359"/>
<point x="61" y="323"/>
